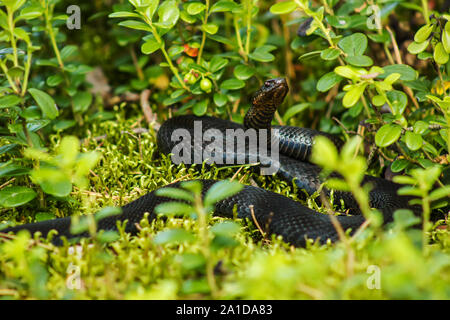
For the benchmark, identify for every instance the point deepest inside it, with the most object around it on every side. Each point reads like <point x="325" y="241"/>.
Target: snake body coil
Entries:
<point x="281" y="215"/>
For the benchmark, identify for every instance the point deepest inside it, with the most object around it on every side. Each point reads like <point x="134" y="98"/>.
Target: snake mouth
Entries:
<point x="272" y="92"/>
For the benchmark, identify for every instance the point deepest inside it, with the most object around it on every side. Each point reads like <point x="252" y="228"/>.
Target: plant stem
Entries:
<point x="13" y="39"/>
<point x="239" y="40"/>
<point x="164" y="52"/>
<point x="173" y="68"/>
<point x="27" y="72"/>
<point x="48" y="25"/>
<point x="204" y="237"/>
<point x="55" y="46"/>
<point x="360" y="196"/>
<point x="249" y="26"/>
<point x="426" y="218"/>
<point x="202" y="45"/>
<point x="8" y="77"/>
<point x="48" y="13"/>
<point x="426" y="14"/>
<point x="366" y="107"/>
<point x="139" y="71"/>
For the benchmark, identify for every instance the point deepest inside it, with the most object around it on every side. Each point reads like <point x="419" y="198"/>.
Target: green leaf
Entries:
<point x="14" y="72"/>
<point x="54" y="80"/>
<point x="226" y="228"/>
<point x="380" y="38"/>
<point x="221" y="241"/>
<point x="378" y="100"/>
<point x="328" y="81"/>
<point x="220" y="39"/>
<point x="446" y="37"/>
<point x="440" y="55"/>
<point x="79" y="224"/>
<point x="220" y="191"/>
<point x="16" y="196"/>
<point x="243" y="72"/>
<point x="425" y="55"/>
<point x="420" y="127"/>
<point x="43" y="216"/>
<point x="137" y="25"/>
<point x="390" y="79"/>
<point x="356" y="109"/>
<point x="22" y="34"/>
<point x="224" y="6"/>
<point x="195" y="287"/>
<point x="173" y="236"/>
<point x="30" y="12"/>
<point x="404" y="179"/>
<point x="8" y="147"/>
<point x="107" y="236"/>
<point x="423" y="33"/>
<point x="399" y="100"/>
<point x="150" y="46"/>
<point x="194" y="186"/>
<point x="340" y="22"/>
<point x="232" y="84"/>
<point x="405" y="218"/>
<point x="330" y="54"/>
<point x="175" y="193"/>
<point x="13" y="170"/>
<point x="45" y="102"/>
<point x="359" y="61"/>
<point x="107" y="212"/>
<point x="152" y="5"/>
<point x="354" y="45"/>
<point x="81" y="101"/>
<point x="190" y="261"/>
<point x="168" y="14"/>
<point x="210" y="28"/>
<point x="217" y="63"/>
<point x="324" y="153"/>
<point x="13" y="5"/>
<point x="430" y="149"/>
<point x="124" y="14"/>
<point x="353" y="95"/>
<point x="294" y="110"/>
<point x="174" y="208"/>
<point x="9" y="101"/>
<point x="63" y="124"/>
<point x="220" y="99"/>
<point x="406" y="72"/>
<point x="347" y="72"/>
<point x="417" y="47"/>
<point x="194" y="8"/>
<point x="200" y="108"/>
<point x="413" y="140"/>
<point x="337" y="184"/>
<point x="283" y="7"/>
<point x="68" y="52"/>
<point x="53" y="181"/>
<point x="443" y="192"/>
<point x="263" y="54"/>
<point x="399" y="164"/>
<point x="387" y="135"/>
<point x="310" y="54"/>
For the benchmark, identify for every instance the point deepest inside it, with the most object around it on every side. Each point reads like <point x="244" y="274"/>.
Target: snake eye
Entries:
<point x="274" y="83"/>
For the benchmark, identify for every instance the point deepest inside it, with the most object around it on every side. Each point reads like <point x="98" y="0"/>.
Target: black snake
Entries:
<point x="279" y="215"/>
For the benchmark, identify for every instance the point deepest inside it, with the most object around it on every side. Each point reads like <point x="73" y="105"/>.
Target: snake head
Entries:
<point x="272" y="93"/>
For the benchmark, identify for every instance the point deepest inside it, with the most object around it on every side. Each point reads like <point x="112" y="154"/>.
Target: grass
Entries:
<point x="374" y="265"/>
